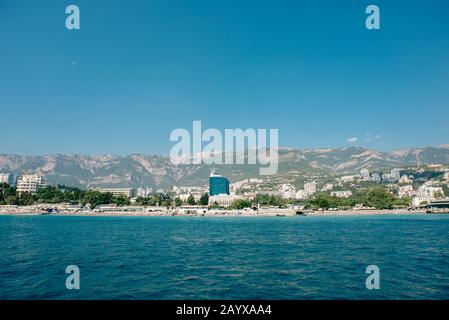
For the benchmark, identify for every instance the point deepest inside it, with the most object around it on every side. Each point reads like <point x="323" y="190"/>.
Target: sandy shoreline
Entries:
<point x="221" y="214"/>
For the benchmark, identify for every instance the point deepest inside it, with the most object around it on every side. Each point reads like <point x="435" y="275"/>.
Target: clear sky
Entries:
<point x="136" y="70"/>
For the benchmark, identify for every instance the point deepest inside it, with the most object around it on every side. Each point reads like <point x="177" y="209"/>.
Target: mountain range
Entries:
<point x="140" y="170"/>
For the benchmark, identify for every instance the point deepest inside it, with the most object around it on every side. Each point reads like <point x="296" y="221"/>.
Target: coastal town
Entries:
<point x="398" y="190"/>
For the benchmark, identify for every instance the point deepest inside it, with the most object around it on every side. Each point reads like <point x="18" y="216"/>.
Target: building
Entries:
<point x="365" y="174"/>
<point x="301" y="195"/>
<point x="406" y="191"/>
<point x="426" y="194"/>
<point x="120" y="192"/>
<point x="327" y="187"/>
<point x="218" y="185"/>
<point x="239" y="185"/>
<point x="395" y="174"/>
<point x="430" y="192"/>
<point x="406" y="179"/>
<point x="341" y="194"/>
<point x="30" y="183"/>
<point x="288" y="191"/>
<point x="223" y="200"/>
<point x="375" y="177"/>
<point x="185" y="196"/>
<point x="144" y="192"/>
<point x="7" y="178"/>
<point x="310" y="187"/>
<point x="419" y="201"/>
<point x="446" y="176"/>
<point x="349" y="178"/>
<point x="442" y="204"/>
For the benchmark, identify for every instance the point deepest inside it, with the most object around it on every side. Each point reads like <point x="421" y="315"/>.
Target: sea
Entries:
<point x="154" y="258"/>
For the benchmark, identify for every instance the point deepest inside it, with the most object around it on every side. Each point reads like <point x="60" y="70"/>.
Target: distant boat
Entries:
<point x="280" y="215"/>
<point x="50" y="211"/>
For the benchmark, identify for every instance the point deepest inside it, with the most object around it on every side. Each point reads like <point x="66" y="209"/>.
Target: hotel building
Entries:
<point x="30" y="183"/>
<point x="218" y="185"/>
<point x="120" y="192"/>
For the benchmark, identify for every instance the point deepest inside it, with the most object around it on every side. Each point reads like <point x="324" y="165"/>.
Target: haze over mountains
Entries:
<point x="139" y="170"/>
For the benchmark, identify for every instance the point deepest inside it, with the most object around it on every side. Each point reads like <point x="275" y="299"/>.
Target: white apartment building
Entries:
<point x="310" y="187"/>
<point x="117" y="192"/>
<point x="446" y="176"/>
<point x="375" y="177"/>
<point x="30" y="183"/>
<point x="406" y="191"/>
<point x="417" y="201"/>
<point x="349" y="178"/>
<point x="7" y="178"/>
<point x="301" y="195"/>
<point x="224" y="200"/>
<point x="365" y="174"/>
<point x="405" y="179"/>
<point x="291" y="194"/>
<point x="287" y="191"/>
<point x="426" y="193"/>
<point x="395" y="174"/>
<point x="144" y="192"/>
<point x="429" y="191"/>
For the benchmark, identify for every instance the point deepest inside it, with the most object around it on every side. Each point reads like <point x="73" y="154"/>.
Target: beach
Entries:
<point x="263" y="212"/>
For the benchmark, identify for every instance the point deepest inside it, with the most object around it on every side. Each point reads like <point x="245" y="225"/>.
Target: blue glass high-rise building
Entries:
<point x="218" y="185"/>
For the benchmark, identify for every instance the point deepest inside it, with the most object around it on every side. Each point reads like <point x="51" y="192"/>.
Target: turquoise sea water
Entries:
<point x="224" y="258"/>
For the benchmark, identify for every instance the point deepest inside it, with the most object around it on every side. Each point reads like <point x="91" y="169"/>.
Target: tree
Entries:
<point x="379" y="198"/>
<point x="178" y="202"/>
<point x="96" y="198"/>
<point x="445" y="189"/>
<point x="240" y="204"/>
<point x="439" y="195"/>
<point x="204" y="200"/>
<point x="406" y="201"/>
<point x="267" y="200"/>
<point x="191" y="200"/>
<point x="167" y="202"/>
<point x="322" y="200"/>
<point x="147" y="201"/>
<point x="121" y="201"/>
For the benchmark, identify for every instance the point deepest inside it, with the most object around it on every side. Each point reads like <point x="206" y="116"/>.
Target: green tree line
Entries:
<point x="60" y="194"/>
<point x="376" y="197"/>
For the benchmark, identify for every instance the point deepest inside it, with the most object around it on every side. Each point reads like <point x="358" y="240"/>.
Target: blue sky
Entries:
<point x="139" y="69"/>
